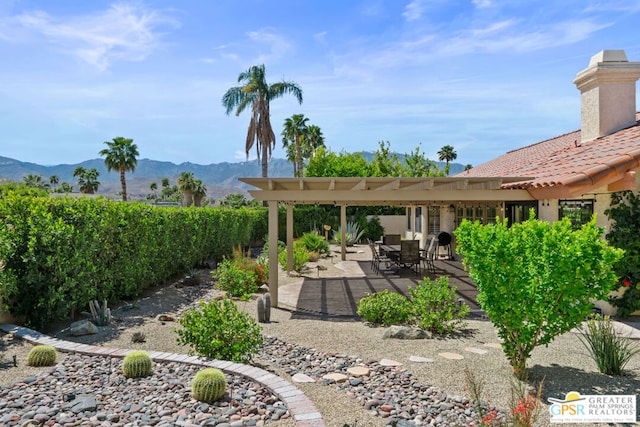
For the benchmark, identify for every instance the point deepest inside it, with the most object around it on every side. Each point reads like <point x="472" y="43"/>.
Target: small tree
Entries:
<point x="536" y="280"/>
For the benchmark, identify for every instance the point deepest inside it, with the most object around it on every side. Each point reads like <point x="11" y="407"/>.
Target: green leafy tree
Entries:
<point x="256" y="93"/>
<point x="329" y="164"/>
<point x="237" y="200"/>
<point x="65" y="187"/>
<point x="536" y="280"/>
<point x="293" y="139"/>
<point x="447" y="153"/>
<point x="624" y="214"/>
<point x="121" y="155"/>
<point x="187" y="185"/>
<point x="416" y="164"/>
<point x="384" y="162"/>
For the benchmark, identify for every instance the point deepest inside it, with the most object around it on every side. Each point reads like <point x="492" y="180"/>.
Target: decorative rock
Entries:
<point x="358" y="371"/>
<point x="82" y="327"/>
<point x="335" y="377"/>
<point x="166" y="318"/>
<point x="390" y="362"/>
<point x="493" y="345"/>
<point x="419" y="359"/>
<point x="476" y="350"/>
<point x="451" y="356"/>
<point x="302" y="378"/>
<point x="405" y="333"/>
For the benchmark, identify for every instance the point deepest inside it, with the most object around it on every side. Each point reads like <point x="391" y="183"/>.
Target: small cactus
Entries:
<point x="42" y="355"/>
<point x="137" y="364"/>
<point x="260" y="310"/>
<point x="138" y="337"/>
<point x="209" y="385"/>
<point x="267" y="307"/>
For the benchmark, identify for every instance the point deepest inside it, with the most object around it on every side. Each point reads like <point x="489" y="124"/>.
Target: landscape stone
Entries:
<point x="476" y="350"/>
<point x="405" y="333"/>
<point x="335" y="377"/>
<point x="358" y="371"/>
<point x="82" y="327"/>
<point x="493" y="345"/>
<point x="302" y="378"/>
<point x="420" y="359"/>
<point x="390" y="362"/>
<point x="451" y="356"/>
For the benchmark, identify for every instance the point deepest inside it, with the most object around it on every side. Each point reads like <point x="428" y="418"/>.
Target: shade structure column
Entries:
<point x="273" y="252"/>
<point x="289" y="237"/>
<point x="343" y="231"/>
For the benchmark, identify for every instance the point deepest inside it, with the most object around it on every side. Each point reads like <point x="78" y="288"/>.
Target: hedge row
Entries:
<point x="58" y="254"/>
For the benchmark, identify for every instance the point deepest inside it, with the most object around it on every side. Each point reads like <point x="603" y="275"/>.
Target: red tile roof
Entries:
<point x="565" y="165"/>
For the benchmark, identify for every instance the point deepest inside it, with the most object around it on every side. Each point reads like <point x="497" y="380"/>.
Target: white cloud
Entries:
<point x="277" y="45"/>
<point x="482" y="4"/>
<point x="122" y="32"/>
<point x="413" y="11"/>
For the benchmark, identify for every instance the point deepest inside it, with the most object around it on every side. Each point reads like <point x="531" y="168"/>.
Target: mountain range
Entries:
<point x="220" y="178"/>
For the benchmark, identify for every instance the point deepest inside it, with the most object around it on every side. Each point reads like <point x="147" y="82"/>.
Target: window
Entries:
<point x="486" y="214"/>
<point x="579" y="212"/>
<point x="433" y="219"/>
<point x="418" y="211"/>
<point x="517" y="212"/>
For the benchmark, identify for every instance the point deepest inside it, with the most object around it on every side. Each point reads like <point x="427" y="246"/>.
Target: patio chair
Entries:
<point x="391" y="239"/>
<point x="409" y="255"/>
<point x="428" y="254"/>
<point x="377" y="258"/>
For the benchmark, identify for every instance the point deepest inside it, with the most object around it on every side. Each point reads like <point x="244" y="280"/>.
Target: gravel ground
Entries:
<point x="563" y="366"/>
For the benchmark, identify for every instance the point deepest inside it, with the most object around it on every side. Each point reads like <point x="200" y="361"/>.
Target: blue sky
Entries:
<point x="484" y="76"/>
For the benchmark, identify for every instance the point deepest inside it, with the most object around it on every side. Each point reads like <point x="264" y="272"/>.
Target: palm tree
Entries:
<point x="54" y="180"/>
<point x="315" y="140"/>
<point x="154" y="187"/>
<point x="295" y="128"/>
<point x="468" y="166"/>
<point x="256" y="93"/>
<point x="91" y="182"/>
<point x="80" y="173"/>
<point x="447" y="154"/>
<point x="187" y="185"/>
<point x="121" y="156"/>
<point x="199" y="191"/>
<point x="35" y="181"/>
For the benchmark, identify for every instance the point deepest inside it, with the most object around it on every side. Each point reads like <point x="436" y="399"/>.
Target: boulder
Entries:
<point x="405" y="333"/>
<point x="82" y="327"/>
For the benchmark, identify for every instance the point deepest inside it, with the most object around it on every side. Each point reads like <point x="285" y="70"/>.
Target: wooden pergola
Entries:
<point x="345" y="192"/>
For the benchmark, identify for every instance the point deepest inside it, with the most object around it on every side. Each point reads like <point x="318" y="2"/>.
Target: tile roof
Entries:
<point x="564" y="162"/>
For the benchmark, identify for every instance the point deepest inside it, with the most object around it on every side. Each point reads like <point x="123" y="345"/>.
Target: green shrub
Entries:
<point x="42" y="355"/>
<point x="385" y="308"/>
<point x="610" y="351"/>
<point x="219" y="330"/>
<point x="209" y="385"/>
<point x="235" y="280"/>
<point x="435" y="306"/>
<point x="313" y="242"/>
<point x="300" y="257"/>
<point x="137" y="364"/>
<point x="536" y="280"/>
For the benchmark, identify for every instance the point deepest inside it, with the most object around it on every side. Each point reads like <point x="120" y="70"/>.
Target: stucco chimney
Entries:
<point x="608" y="88"/>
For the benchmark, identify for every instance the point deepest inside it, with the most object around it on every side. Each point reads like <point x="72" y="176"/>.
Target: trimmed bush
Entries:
<point x="209" y="385"/>
<point x="435" y="306"/>
<point x="235" y="280"/>
<point x="385" y="308"/>
<point x="42" y="355"/>
<point x="137" y="364"/>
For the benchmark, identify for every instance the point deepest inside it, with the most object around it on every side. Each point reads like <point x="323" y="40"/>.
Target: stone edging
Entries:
<point x="301" y="408"/>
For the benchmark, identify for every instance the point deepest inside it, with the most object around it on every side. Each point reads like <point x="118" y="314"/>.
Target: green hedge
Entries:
<point x="58" y="254"/>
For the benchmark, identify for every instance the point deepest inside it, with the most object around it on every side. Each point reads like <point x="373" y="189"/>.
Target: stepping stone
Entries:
<point x="358" y="371"/>
<point x="493" y="345"/>
<point x="337" y="377"/>
<point x="389" y="362"/>
<point x="451" y="356"/>
<point x="476" y="350"/>
<point x="302" y="378"/>
<point x="419" y="359"/>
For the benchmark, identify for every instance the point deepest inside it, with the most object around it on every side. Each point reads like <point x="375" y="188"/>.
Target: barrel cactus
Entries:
<point x="42" y="355"/>
<point x="137" y="364"/>
<point x="209" y="385"/>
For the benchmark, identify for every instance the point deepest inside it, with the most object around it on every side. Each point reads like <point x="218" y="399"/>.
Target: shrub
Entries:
<point x="219" y="330"/>
<point x="300" y="257"/>
<point x="610" y="352"/>
<point x="209" y="385"/>
<point x="385" y="308"/>
<point x="137" y="364"/>
<point x="353" y="234"/>
<point x="435" y="306"/>
<point x="536" y="280"/>
<point x="313" y="242"/>
<point x="237" y="281"/>
<point x="42" y="355"/>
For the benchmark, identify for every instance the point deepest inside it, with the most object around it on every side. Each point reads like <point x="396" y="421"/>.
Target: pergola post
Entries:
<point x="273" y="251"/>
<point x="289" y="237"/>
<point x="343" y="231"/>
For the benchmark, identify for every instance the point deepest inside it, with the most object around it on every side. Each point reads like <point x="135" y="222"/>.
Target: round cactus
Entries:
<point x="41" y="355"/>
<point x="137" y="364"/>
<point x="209" y="385"/>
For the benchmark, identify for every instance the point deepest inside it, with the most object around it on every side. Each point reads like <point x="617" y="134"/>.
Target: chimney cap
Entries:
<point x="608" y="56"/>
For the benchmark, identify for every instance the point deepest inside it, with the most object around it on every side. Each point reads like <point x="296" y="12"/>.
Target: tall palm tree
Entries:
<point x="121" y="156"/>
<point x="256" y="93"/>
<point x="187" y="185"/>
<point x="315" y="140"/>
<point x="54" y="180"/>
<point x="294" y="131"/>
<point x="447" y="153"/>
<point x="35" y="181"/>
<point x="80" y="172"/>
<point x="91" y="182"/>
<point x="199" y="191"/>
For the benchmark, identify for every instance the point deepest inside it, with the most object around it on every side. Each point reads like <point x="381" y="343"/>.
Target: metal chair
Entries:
<point x="409" y="255"/>
<point x="429" y="254"/>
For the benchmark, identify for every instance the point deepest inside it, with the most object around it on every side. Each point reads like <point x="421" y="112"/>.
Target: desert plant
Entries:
<point x="385" y="308"/>
<point x="208" y="385"/>
<point x="42" y="355"/>
<point x="235" y="280"/>
<point x="300" y="257"/>
<point x="137" y="364"/>
<point x="436" y="307"/>
<point x="101" y="314"/>
<point x="313" y="242"/>
<point x="138" y="337"/>
<point x="610" y="351"/>
<point x="352" y="235"/>
<point x="536" y="280"/>
<point x="217" y="329"/>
